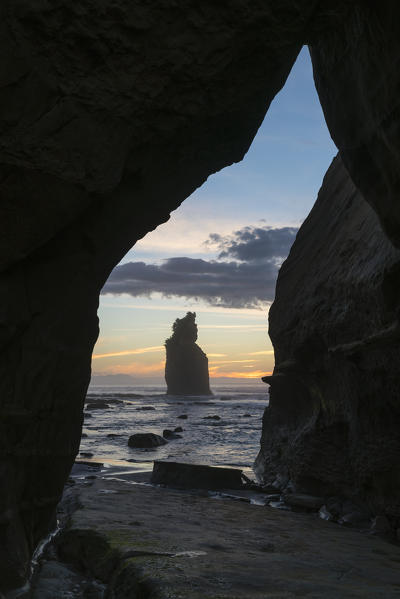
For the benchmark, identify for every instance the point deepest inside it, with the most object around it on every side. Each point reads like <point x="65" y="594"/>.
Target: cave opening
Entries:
<point x="218" y="256"/>
<point x="112" y="117"/>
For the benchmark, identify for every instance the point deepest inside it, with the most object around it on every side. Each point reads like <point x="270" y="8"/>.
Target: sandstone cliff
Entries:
<point x="186" y="366"/>
<point x="332" y="426"/>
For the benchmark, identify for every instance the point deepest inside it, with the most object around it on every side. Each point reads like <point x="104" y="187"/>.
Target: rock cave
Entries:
<point x="112" y="114"/>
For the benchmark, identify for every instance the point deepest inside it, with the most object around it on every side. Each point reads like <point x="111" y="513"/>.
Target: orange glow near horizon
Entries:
<point x="253" y="374"/>
<point x="235" y="343"/>
<point x="159" y="368"/>
<point x="136" y="368"/>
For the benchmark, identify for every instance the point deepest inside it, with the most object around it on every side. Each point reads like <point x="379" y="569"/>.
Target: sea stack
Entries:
<point x="186" y="366"/>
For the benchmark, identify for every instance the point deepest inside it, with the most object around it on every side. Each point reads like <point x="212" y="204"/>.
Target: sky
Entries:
<point x="220" y="252"/>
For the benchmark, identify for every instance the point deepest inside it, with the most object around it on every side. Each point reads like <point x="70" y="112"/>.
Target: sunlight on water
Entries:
<point x="220" y="430"/>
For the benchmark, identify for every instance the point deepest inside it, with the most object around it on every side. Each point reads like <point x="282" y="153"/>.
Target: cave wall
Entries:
<point x="111" y="115"/>
<point x="332" y="425"/>
<point x="357" y="75"/>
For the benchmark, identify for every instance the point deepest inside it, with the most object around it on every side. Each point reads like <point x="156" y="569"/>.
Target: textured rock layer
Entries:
<point x="357" y="72"/>
<point x="111" y="114"/>
<point x="332" y="425"/>
<point x="197" y="548"/>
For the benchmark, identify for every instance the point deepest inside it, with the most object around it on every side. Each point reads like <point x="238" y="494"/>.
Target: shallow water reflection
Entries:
<point x="223" y="429"/>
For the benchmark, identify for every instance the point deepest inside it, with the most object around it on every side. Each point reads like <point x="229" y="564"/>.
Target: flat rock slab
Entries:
<point x="167" y="544"/>
<point x="195" y="476"/>
<point x="300" y="500"/>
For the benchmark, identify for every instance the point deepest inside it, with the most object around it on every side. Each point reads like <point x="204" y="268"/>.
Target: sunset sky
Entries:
<point x="220" y="252"/>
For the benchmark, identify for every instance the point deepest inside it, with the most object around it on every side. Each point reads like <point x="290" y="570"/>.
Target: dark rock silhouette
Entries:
<point x="168" y="434"/>
<point x="186" y="366"/>
<point x="195" y="476"/>
<point x="110" y="118"/>
<point x="145" y="440"/>
<point x="333" y="421"/>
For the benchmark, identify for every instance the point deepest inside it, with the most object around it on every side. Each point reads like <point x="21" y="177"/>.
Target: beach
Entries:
<point x="123" y="538"/>
<point x="120" y="536"/>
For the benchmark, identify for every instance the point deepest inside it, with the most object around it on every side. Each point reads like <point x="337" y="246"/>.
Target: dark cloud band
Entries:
<point x="247" y="281"/>
<point x="255" y="243"/>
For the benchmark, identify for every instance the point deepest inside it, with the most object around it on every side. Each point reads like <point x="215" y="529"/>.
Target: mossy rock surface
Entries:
<point x="153" y="543"/>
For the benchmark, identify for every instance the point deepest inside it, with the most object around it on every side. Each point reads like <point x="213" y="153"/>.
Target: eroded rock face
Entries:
<point x="332" y="425"/>
<point x="110" y="117"/>
<point x="356" y="71"/>
<point x="186" y="366"/>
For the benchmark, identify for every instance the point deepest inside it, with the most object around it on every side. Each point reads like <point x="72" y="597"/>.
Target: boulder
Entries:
<point x="195" y="476"/>
<point x="325" y="514"/>
<point x="357" y="518"/>
<point x="145" y="440"/>
<point x="380" y="525"/>
<point x="272" y="497"/>
<point x="168" y="434"/>
<point x="306" y="502"/>
<point x="97" y="405"/>
<point x="115" y="401"/>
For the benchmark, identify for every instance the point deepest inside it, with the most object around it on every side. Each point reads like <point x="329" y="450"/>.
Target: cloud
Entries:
<point x="220" y="362"/>
<point x="241" y="328"/>
<point x="255" y="244"/>
<point x="130" y="352"/>
<point x="254" y="374"/>
<point x="251" y="313"/>
<point x="243" y="275"/>
<point x="137" y="368"/>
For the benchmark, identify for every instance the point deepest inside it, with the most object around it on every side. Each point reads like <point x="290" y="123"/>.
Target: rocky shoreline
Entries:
<point x="124" y="538"/>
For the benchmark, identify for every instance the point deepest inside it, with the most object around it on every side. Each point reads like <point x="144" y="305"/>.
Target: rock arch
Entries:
<point x="112" y="114"/>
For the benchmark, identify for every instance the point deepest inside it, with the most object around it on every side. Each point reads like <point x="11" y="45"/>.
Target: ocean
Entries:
<point x="223" y="429"/>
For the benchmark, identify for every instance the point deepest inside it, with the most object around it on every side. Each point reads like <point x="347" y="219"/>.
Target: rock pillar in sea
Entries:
<point x="186" y="366"/>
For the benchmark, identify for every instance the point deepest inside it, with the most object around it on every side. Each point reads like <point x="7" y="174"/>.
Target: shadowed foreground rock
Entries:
<point x="195" y="476"/>
<point x="150" y="542"/>
<point x="186" y="366"/>
<point x="333" y="421"/>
